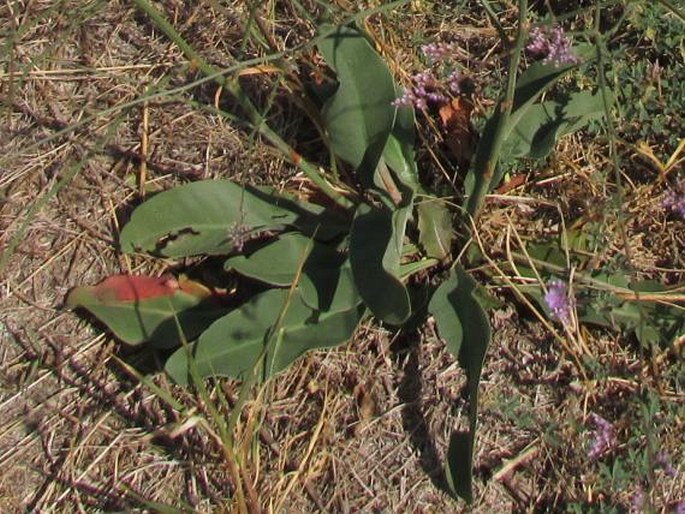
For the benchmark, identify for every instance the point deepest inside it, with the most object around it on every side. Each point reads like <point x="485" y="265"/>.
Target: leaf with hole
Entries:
<point x="203" y="217"/>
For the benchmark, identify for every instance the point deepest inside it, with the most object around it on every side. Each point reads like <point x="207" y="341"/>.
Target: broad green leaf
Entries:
<point x="399" y="153"/>
<point x="236" y="343"/>
<point x="436" y="232"/>
<point x="583" y="107"/>
<point x="539" y="77"/>
<point x="140" y="309"/>
<point x="277" y="262"/>
<point x="442" y="307"/>
<point x="375" y="249"/>
<point x="459" y="465"/>
<point x="536" y="134"/>
<point x="203" y="217"/>
<point x="545" y="123"/>
<point x="461" y="321"/>
<point x="359" y="116"/>
<point x="327" y="282"/>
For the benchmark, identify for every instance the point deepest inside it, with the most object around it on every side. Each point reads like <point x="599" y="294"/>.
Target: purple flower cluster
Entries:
<point x="436" y="52"/>
<point x="427" y="88"/>
<point x="637" y="504"/>
<point x="454" y="81"/>
<point x="603" y="439"/>
<point x="239" y="234"/>
<point x="559" y="302"/>
<point x="664" y="462"/>
<point x="675" y="199"/>
<point x="552" y="44"/>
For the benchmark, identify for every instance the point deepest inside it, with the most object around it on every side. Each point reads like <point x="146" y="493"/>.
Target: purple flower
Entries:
<point x="426" y="88"/>
<point x="558" y="301"/>
<point x="679" y="507"/>
<point x="239" y="234"/>
<point x="436" y="52"/>
<point x="675" y="199"/>
<point x="603" y="437"/>
<point x="664" y="462"/>
<point x="552" y="44"/>
<point x="454" y="82"/>
<point x="637" y="503"/>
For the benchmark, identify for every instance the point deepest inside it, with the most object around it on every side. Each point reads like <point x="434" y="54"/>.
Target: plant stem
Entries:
<point x="487" y="172"/>
<point x="672" y="7"/>
<point x="233" y="87"/>
<point x="495" y="21"/>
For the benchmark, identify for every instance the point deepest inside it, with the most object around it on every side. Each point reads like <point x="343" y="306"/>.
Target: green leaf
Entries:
<point x="536" y="134"/>
<point x="276" y="263"/>
<point x="200" y="218"/>
<point x="544" y="124"/>
<point x="375" y="250"/>
<point x="359" y="117"/>
<point x="140" y="309"/>
<point x="236" y="343"/>
<point x="458" y="465"/>
<point x="538" y="78"/>
<point x="436" y="233"/>
<point x="530" y="85"/>
<point x="480" y="176"/>
<point x="442" y="307"/>
<point x="327" y="282"/>
<point x="462" y="322"/>
<point x="583" y="107"/>
<point x="399" y="153"/>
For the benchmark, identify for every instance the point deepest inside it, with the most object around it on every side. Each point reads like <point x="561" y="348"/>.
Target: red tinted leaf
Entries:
<point x="163" y="311"/>
<point x="132" y="288"/>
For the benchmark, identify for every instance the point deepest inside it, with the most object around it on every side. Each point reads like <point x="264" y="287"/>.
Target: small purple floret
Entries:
<point x="637" y="503"/>
<point x="426" y="88"/>
<point x="603" y="439"/>
<point x="454" y="82"/>
<point x="675" y="199"/>
<point x="553" y="44"/>
<point x="664" y="462"/>
<point x="558" y="301"/>
<point x="436" y="52"/>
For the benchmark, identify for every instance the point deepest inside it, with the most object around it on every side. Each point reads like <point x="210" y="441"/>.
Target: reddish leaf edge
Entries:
<point x="127" y="288"/>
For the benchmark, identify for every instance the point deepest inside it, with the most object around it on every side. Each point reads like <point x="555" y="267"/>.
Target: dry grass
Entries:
<point x="359" y="429"/>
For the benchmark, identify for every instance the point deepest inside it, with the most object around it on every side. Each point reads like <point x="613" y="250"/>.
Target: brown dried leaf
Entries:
<point x="459" y="135"/>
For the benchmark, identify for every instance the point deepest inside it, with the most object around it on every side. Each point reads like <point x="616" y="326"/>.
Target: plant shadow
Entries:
<point x="414" y="422"/>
